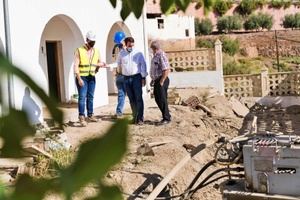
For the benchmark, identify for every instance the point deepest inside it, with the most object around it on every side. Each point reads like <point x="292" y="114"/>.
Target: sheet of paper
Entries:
<point x="113" y="65"/>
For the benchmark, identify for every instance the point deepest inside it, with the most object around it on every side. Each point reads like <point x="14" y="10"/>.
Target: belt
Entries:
<point x="131" y="76"/>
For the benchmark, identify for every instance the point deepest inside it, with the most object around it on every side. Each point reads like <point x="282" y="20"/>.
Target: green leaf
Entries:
<point x="125" y="11"/>
<point x="13" y="128"/>
<point x="29" y="188"/>
<point x="95" y="158"/>
<point x="182" y="4"/>
<point x="136" y="6"/>
<point x="113" y="3"/>
<point x="166" y="5"/>
<point x="108" y="192"/>
<point x="5" y="66"/>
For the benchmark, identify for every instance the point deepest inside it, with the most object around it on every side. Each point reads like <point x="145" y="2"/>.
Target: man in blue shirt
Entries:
<point x="132" y="65"/>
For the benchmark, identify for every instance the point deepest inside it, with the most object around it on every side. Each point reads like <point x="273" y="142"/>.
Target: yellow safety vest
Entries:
<point x="87" y="66"/>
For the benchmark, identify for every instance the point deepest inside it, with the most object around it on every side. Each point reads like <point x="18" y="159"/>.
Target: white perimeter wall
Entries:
<point x="198" y="79"/>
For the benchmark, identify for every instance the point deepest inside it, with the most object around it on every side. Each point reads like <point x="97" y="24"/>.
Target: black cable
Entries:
<point x="220" y="177"/>
<point x="211" y="175"/>
<point x="201" y="185"/>
<point x="200" y="173"/>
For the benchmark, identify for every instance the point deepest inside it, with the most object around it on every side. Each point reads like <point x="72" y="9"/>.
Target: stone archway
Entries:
<point x="60" y="37"/>
<point x="118" y="26"/>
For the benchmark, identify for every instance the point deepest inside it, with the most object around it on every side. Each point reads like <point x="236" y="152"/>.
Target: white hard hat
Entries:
<point x="91" y="36"/>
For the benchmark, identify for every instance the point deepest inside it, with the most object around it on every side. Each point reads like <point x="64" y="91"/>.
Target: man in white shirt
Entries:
<point x="132" y="65"/>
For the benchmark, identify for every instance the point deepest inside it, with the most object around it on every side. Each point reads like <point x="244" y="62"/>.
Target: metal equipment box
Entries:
<point x="272" y="165"/>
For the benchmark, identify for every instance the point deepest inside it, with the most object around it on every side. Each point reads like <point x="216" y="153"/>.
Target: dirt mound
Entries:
<point x="139" y="174"/>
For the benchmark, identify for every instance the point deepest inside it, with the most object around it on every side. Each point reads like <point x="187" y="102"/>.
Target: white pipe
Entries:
<point x="146" y="51"/>
<point x="11" y="101"/>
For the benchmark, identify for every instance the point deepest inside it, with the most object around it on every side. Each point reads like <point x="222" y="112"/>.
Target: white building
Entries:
<point x="168" y="27"/>
<point x="44" y="35"/>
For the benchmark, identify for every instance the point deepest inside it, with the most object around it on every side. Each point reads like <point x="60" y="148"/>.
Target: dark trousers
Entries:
<point x="133" y="85"/>
<point x="161" y="98"/>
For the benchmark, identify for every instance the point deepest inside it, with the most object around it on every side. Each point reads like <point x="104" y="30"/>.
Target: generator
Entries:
<point x="271" y="167"/>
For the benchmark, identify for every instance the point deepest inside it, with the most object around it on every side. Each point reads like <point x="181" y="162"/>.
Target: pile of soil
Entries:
<point x="139" y="174"/>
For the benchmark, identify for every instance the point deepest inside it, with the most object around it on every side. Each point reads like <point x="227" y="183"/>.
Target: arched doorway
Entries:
<point x="60" y="37"/>
<point x="118" y="26"/>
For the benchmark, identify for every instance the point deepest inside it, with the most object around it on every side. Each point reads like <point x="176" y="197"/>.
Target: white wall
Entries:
<point x="197" y="79"/>
<point x="29" y="21"/>
<point x="2" y="33"/>
<point x="174" y="27"/>
<point x="119" y="26"/>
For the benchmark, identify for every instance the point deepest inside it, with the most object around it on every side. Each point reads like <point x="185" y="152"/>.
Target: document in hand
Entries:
<point x="112" y="66"/>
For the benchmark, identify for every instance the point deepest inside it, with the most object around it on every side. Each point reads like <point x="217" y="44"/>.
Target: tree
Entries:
<point x="265" y="21"/>
<point x="251" y="23"/>
<point x="291" y="21"/>
<point x="229" y="23"/>
<point x="246" y="7"/>
<point x="222" y="6"/>
<point x="203" y="27"/>
<point x="280" y="3"/>
<point x="259" y="21"/>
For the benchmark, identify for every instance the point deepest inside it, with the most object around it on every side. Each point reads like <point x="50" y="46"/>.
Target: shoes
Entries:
<point x="139" y="123"/>
<point x="164" y="121"/>
<point x="118" y="116"/>
<point x="82" y="121"/>
<point x="92" y="119"/>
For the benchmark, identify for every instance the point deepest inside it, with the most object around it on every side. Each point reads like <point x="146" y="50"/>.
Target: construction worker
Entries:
<point x="120" y="82"/>
<point x="86" y="64"/>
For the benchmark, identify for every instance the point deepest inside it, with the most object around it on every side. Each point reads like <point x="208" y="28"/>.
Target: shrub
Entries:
<point x="230" y="46"/>
<point x="208" y="43"/>
<point x="246" y="7"/>
<point x="229" y="23"/>
<point x="291" y="21"/>
<point x="222" y="6"/>
<point x="251" y="23"/>
<point x="204" y="27"/>
<point x="280" y="3"/>
<point x="265" y="21"/>
<point x="260" y="3"/>
<point x="297" y="20"/>
<point x="234" y="67"/>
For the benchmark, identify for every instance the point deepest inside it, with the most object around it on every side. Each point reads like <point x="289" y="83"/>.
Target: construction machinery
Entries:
<point x="271" y="167"/>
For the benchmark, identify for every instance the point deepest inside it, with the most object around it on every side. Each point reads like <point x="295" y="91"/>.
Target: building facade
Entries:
<point x="45" y="34"/>
<point x="168" y="27"/>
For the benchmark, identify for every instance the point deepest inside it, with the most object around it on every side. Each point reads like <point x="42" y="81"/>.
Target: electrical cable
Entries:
<point x="200" y="173"/>
<point x="199" y="186"/>
<point x="235" y="160"/>
<point x="223" y="176"/>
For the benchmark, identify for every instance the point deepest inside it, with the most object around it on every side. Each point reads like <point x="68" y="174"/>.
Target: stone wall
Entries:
<point x="263" y="43"/>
